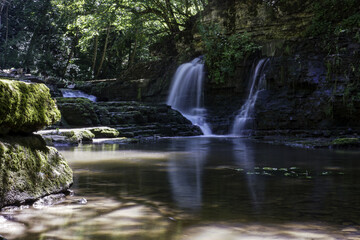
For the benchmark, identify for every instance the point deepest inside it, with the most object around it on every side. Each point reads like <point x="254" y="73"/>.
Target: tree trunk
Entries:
<point x="68" y="61"/>
<point x="72" y="52"/>
<point x="133" y="54"/>
<point x="30" y="48"/>
<point x="104" y="51"/>
<point x="7" y="24"/>
<point x="95" y="54"/>
<point x="1" y="9"/>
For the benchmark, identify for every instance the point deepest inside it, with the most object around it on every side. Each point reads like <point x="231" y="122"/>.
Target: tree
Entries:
<point x="84" y="39"/>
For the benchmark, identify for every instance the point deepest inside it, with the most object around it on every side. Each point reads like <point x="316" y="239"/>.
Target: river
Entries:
<point x="199" y="188"/>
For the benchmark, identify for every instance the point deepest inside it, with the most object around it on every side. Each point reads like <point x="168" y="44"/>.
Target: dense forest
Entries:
<point x="89" y="38"/>
<point x="94" y="39"/>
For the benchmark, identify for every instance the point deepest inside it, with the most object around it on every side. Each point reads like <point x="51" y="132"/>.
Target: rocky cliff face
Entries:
<point x="147" y="82"/>
<point x="266" y="23"/>
<point x="311" y="91"/>
<point x="306" y="87"/>
<point x="28" y="168"/>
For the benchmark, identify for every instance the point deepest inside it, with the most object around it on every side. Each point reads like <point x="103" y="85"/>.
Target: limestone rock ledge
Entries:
<point x="25" y="107"/>
<point x="30" y="170"/>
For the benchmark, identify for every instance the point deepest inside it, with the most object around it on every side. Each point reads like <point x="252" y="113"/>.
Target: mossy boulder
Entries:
<point x="67" y="136"/>
<point x="78" y="111"/>
<point x="30" y="170"/>
<point x="104" y="132"/>
<point x="79" y="135"/>
<point x="25" y="107"/>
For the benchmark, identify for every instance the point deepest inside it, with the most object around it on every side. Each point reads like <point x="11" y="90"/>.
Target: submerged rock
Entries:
<point x="25" y="108"/>
<point x="30" y="170"/>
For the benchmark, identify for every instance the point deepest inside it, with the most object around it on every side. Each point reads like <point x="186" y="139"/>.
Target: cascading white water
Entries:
<point x="245" y="117"/>
<point x="186" y="93"/>
<point x="71" y="93"/>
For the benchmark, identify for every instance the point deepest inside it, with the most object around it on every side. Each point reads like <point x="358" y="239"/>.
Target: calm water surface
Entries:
<point x="200" y="188"/>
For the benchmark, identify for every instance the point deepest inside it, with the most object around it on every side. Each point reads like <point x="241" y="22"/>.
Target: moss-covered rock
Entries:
<point x="78" y="111"/>
<point x="29" y="170"/>
<point x="25" y="108"/>
<point x="345" y="142"/>
<point x="67" y="136"/>
<point x="104" y="132"/>
<point x="79" y="135"/>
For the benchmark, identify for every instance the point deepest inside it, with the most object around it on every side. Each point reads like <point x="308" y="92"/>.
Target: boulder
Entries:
<point x="25" y="107"/>
<point x="30" y="170"/>
<point x="67" y="136"/>
<point x="78" y="111"/>
<point x="104" y="132"/>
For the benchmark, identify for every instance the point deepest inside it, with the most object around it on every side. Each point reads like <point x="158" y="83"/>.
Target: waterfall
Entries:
<point x="244" y="119"/>
<point x="71" y="93"/>
<point x="186" y="93"/>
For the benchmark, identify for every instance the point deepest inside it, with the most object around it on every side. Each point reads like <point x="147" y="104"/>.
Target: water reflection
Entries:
<point x="186" y="170"/>
<point x="244" y="159"/>
<point x="218" y="185"/>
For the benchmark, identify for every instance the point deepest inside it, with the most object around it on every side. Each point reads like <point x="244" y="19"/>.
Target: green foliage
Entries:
<point x="31" y="36"/>
<point x="223" y="52"/>
<point x="84" y="39"/>
<point x="110" y="36"/>
<point x="333" y="17"/>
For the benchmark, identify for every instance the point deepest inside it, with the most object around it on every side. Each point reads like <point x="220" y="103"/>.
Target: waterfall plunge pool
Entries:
<point x="199" y="188"/>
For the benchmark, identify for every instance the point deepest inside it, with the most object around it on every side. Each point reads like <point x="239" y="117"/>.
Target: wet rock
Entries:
<point x="67" y="136"/>
<point x="30" y="170"/>
<point x="120" y="140"/>
<point x="49" y="201"/>
<point x="104" y="132"/>
<point x="129" y="119"/>
<point x="345" y="143"/>
<point x="81" y="201"/>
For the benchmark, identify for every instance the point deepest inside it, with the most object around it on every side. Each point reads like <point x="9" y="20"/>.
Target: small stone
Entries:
<point x="81" y="201"/>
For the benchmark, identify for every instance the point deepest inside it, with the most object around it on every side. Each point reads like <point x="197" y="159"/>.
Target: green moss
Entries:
<point x="78" y="111"/>
<point x="78" y="135"/>
<point x="222" y="51"/>
<point x="345" y="141"/>
<point x="25" y="108"/>
<point x="30" y="170"/>
<point x="105" y="132"/>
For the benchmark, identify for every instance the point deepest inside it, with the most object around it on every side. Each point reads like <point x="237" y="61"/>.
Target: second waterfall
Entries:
<point x="245" y="117"/>
<point x="186" y="93"/>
